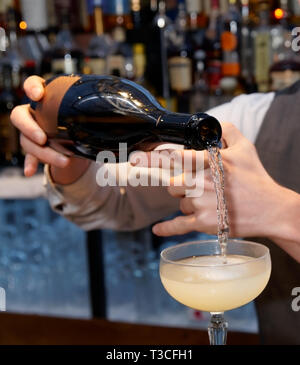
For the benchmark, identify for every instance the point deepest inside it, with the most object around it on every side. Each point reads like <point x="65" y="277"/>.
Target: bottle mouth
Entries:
<point x="207" y="131"/>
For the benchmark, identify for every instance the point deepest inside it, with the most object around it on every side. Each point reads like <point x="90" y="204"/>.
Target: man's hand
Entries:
<point x="64" y="170"/>
<point x="253" y="198"/>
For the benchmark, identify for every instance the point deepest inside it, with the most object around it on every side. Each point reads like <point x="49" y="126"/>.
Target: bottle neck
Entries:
<point x="197" y="131"/>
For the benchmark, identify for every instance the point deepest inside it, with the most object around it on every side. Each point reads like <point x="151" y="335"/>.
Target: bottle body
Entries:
<point x="88" y="114"/>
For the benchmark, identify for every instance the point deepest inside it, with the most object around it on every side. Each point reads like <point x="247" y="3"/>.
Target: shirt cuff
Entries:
<point x="60" y="195"/>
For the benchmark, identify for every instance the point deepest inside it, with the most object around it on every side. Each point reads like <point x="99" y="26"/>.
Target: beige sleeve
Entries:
<point x="91" y="206"/>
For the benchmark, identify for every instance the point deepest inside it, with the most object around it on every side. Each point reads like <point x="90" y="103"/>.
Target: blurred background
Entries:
<point x="192" y="55"/>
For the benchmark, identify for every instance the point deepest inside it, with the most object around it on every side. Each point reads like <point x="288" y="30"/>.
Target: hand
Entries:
<point x="33" y="140"/>
<point x="253" y="198"/>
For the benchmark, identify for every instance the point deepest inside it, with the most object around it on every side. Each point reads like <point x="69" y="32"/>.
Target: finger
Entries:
<point x="177" y="191"/>
<point x="186" y="206"/>
<point x="158" y="158"/>
<point x="34" y="87"/>
<point x="185" y="160"/>
<point x="176" y="226"/>
<point x="22" y="120"/>
<point x="30" y="165"/>
<point x="230" y="134"/>
<point x="44" y="154"/>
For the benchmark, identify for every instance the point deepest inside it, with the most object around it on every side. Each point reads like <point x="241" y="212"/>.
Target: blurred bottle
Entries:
<point x="34" y="22"/>
<point x="295" y="12"/>
<point x="139" y="63"/>
<point x="65" y="56"/>
<point x="34" y="13"/>
<point x="142" y="17"/>
<point x="262" y="47"/>
<point x="120" y="59"/>
<point x="230" y="38"/>
<point x="157" y="71"/>
<point x="3" y="8"/>
<point x="196" y="17"/>
<point x="117" y="19"/>
<point x="116" y="15"/>
<point x="99" y="47"/>
<point x="9" y="141"/>
<point x="136" y="14"/>
<point x="247" y="44"/>
<point x="13" y="55"/>
<point x="179" y="60"/>
<point x="213" y="72"/>
<point x="199" y="99"/>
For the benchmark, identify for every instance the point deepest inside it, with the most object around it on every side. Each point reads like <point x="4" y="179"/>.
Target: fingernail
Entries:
<point x="135" y="158"/>
<point x="27" y="170"/>
<point x="155" y="230"/>
<point x="138" y="158"/>
<point x="39" y="137"/>
<point x="62" y="160"/>
<point x="36" y="92"/>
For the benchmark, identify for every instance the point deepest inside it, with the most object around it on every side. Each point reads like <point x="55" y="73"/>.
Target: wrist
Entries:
<point x="285" y="218"/>
<point x="71" y="173"/>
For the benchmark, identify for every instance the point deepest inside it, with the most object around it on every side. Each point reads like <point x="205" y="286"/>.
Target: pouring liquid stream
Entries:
<point x="217" y="173"/>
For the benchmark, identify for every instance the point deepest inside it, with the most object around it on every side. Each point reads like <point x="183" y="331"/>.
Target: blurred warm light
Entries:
<point x="23" y="25"/>
<point x="278" y="13"/>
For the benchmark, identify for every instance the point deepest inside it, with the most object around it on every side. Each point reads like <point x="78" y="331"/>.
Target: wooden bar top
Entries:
<point x="19" y="329"/>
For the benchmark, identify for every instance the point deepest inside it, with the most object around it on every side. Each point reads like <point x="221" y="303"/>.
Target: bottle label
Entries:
<point x="262" y="57"/>
<point x="119" y="34"/>
<point x="97" y="66"/>
<point x="230" y="69"/>
<point x="180" y="69"/>
<point x="65" y="65"/>
<point x="139" y="62"/>
<point x="193" y="6"/>
<point x="228" y="41"/>
<point x="224" y="6"/>
<point x="117" y="7"/>
<point x="214" y="74"/>
<point x="116" y="62"/>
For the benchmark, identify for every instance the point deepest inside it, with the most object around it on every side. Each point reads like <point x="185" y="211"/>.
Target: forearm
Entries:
<point x="91" y="206"/>
<point x="285" y="229"/>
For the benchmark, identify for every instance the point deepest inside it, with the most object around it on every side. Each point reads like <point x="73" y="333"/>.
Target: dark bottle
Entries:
<point x="64" y="57"/>
<point x="90" y="113"/>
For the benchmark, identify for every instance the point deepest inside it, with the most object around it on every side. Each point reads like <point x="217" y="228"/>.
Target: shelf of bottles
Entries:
<point x="191" y="54"/>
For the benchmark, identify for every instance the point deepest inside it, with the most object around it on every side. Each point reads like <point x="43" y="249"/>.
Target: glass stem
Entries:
<point x="217" y="329"/>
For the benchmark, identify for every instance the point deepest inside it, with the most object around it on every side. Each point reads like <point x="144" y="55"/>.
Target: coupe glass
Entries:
<point x="194" y="273"/>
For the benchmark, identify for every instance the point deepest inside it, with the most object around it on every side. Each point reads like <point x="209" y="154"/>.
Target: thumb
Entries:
<point x="34" y="87"/>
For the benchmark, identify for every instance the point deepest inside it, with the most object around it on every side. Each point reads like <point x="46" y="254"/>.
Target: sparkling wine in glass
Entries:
<point x="194" y="273"/>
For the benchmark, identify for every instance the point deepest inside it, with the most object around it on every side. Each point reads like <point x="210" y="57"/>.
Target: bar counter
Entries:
<point x="18" y="329"/>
